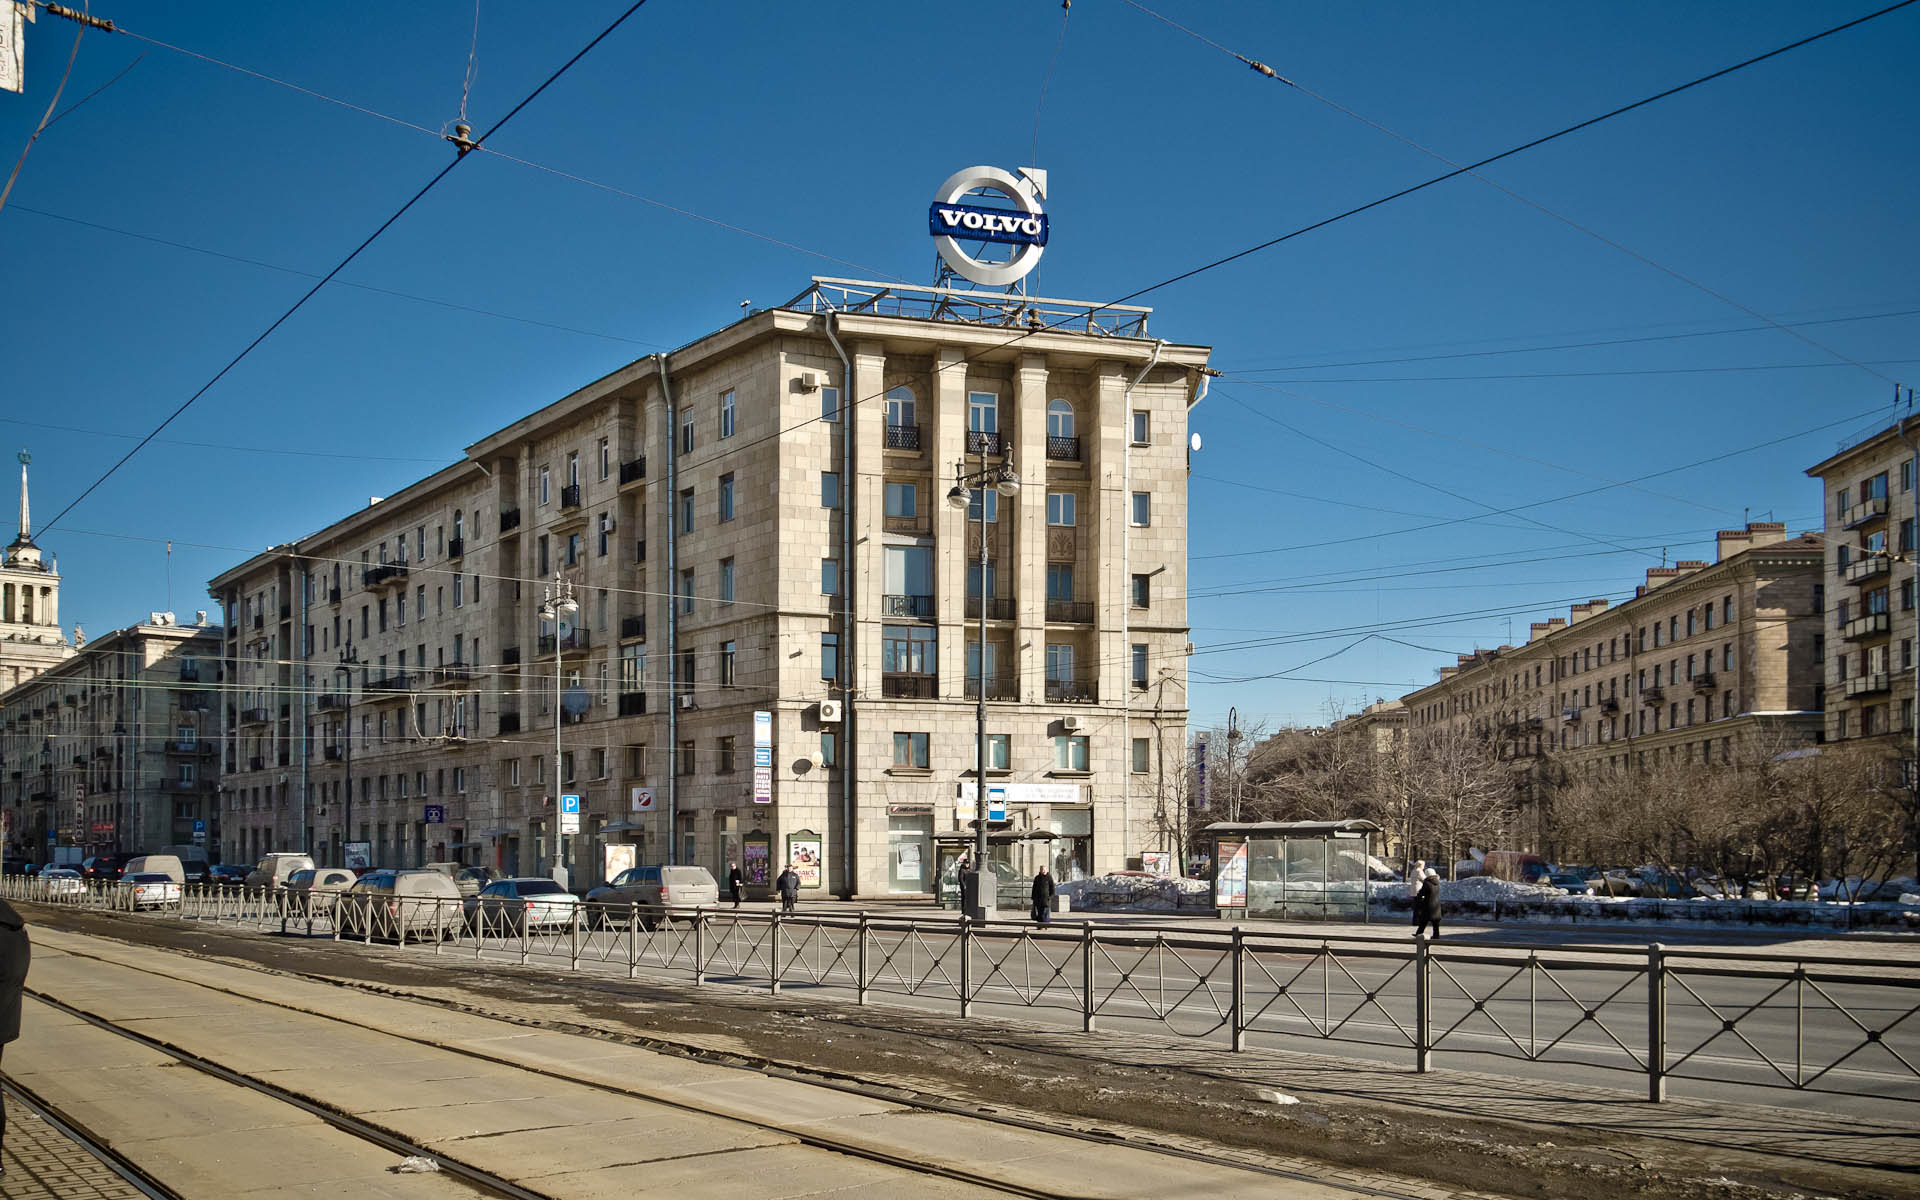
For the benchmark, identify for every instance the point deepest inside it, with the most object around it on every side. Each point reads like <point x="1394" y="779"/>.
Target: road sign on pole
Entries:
<point x="569" y="814"/>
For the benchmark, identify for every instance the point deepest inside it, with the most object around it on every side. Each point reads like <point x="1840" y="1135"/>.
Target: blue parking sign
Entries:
<point x="570" y="804"/>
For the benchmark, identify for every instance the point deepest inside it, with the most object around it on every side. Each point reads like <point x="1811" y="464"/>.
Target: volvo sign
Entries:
<point x="953" y="221"/>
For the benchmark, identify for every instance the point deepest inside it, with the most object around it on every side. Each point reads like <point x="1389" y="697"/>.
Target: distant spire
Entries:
<point x="21" y="552"/>
<point x="26" y="527"/>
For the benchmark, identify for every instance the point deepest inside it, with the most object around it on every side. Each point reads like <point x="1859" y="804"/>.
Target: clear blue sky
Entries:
<point x="1430" y="337"/>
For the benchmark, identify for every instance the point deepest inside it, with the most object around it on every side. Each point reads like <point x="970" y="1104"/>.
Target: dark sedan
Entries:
<point x="223" y="875"/>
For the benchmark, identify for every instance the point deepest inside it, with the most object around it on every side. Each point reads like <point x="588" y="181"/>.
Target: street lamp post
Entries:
<point x="557" y="604"/>
<point x="970" y="487"/>
<point x="1233" y="777"/>
<point x="344" y="669"/>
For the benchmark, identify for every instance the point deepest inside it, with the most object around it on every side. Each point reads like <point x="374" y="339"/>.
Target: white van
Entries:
<point x="157" y="864"/>
<point x="273" y="870"/>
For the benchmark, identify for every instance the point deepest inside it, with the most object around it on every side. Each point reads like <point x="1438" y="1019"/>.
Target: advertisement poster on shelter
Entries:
<point x="1230" y="887"/>
<point x="804" y="853"/>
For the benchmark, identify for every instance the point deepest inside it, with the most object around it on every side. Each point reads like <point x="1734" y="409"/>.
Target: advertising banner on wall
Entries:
<point x="756" y="859"/>
<point x="619" y="856"/>
<point x="359" y="855"/>
<point x="807" y="854"/>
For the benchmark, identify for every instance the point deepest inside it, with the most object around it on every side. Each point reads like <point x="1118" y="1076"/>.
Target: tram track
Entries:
<point x="64" y="1123"/>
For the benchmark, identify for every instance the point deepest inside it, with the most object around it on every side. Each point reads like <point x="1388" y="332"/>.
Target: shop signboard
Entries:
<point x="1154" y="862"/>
<point x="434" y="814"/>
<point x="642" y="800"/>
<point x="763" y="785"/>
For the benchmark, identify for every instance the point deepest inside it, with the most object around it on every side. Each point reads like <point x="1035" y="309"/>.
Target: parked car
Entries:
<point x="105" y="868"/>
<point x="1569" y="882"/>
<point x="655" y="890"/>
<point x="399" y="904"/>
<point x="225" y="875"/>
<point x="521" y="906"/>
<point x="16" y="866"/>
<point x="158" y="864"/>
<point x="62" y="881"/>
<point x="313" y="891"/>
<point x="468" y="879"/>
<point x="274" y="870"/>
<point x="146" y="889"/>
<point x="196" y="870"/>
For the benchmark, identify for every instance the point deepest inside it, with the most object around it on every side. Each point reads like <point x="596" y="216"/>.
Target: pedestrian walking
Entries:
<point x="15" y="951"/>
<point x="736" y="883"/>
<point x="1043" y="891"/>
<point x="1426" y="905"/>
<point x="788" y="885"/>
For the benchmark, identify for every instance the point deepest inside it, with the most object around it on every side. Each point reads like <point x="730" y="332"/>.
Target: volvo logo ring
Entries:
<point x="951" y="219"/>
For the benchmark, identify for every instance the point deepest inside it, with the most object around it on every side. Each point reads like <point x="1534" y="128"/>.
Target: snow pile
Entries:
<point x="1141" y="892"/>
<point x="1911" y="899"/>
<point x="1485" y="889"/>
<point x="1853" y="887"/>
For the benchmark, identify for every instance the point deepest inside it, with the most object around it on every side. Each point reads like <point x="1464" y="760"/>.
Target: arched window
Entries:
<point x="900" y="407"/>
<point x="1059" y="418"/>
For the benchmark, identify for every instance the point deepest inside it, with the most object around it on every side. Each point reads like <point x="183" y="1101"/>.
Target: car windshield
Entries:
<point x="300" y="879"/>
<point x="540" y="887"/>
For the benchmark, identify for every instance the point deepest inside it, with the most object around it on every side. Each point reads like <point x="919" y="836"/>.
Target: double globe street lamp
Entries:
<point x="556" y="606"/>
<point x="969" y="488"/>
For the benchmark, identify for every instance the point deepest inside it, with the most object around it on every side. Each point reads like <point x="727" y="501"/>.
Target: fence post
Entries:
<point x="699" y="947"/>
<point x="1086" y="976"/>
<point x="1239" y="1000"/>
<point x="966" y="967"/>
<point x="633" y="939"/>
<point x="1422" y="1007"/>
<point x="573" y="940"/>
<point x="1656" y="1023"/>
<point x="860" y="962"/>
<point x="773" y="953"/>
<point x="526" y="933"/>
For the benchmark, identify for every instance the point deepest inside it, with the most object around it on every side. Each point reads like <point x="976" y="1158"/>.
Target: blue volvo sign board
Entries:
<point x="978" y="223"/>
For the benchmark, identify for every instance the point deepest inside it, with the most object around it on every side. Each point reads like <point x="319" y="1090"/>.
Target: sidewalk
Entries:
<point x="42" y="1164"/>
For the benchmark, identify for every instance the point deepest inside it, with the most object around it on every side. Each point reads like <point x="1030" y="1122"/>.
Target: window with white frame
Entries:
<point x="829" y="577"/>
<point x="726" y="497"/>
<point x="829" y="404"/>
<point x="726" y="413"/>
<point x="1142" y="514"/>
<point x="983" y="497"/>
<point x="900" y="407"/>
<point x="1062" y="508"/>
<point x="606" y="458"/>
<point x="686" y="431"/>
<point x="1070" y="752"/>
<point x="902" y="500"/>
<point x="983" y="412"/>
<point x="726" y="581"/>
<point x="1059" y="418"/>
<point x="1141" y="427"/>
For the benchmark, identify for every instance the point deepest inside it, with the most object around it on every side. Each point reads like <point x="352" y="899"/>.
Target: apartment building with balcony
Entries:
<point x="1703" y="658"/>
<point x="1869" y="501"/>
<point x="115" y="749"/>
<point x="756" y="523"/>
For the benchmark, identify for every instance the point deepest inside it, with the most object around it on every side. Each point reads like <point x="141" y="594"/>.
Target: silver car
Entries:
<point x="312" y="892"/>
<point x="521" y="906"/>
<point x="147" y="889"/>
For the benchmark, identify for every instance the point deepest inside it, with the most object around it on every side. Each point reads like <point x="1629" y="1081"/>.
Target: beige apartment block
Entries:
<point x="757" y="523"/>
<point x="1870" y="504"/>
<point x="114" y="750"/>
<point x="1702" y="658"/>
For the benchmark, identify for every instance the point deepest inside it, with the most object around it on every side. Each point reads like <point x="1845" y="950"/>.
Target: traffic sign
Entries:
<point x="436" y="814"/>
<point x="570" y="804"/>
<point x="996" y="803"/>
<point x="199" y="826"/>
<point x="643" y="799"/>
<point x="569" y="814"/>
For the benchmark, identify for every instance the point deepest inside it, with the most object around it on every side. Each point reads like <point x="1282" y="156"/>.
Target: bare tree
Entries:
<point x="1464" y="792"/>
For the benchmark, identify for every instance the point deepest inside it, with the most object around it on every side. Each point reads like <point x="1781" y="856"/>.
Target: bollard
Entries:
<point x="573" y="940"/>
<point x="525" y="926"/>
<point x="699" y="946"/>
<point x="1086" y="976"/>
<point x="1656" y="1023"/>
<point x="966" y="966"/>
<point x="1239" y="999"/>
<point x="773" y="952"/>
<point x="860" y="962"/>
<point x="1422" y="1007"/>
<point x="633" y="939"/>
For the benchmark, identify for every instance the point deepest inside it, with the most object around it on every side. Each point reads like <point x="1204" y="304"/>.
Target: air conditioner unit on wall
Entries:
<point x="808" y="382"/>
<point x="686" y="702"/>
<point x="830" y="712"/>
<point x="1069" y="723"/>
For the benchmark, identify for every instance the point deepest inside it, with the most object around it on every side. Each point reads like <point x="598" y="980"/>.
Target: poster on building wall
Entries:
<point x="618" y="856"/>
<point x="359" y="855"/>
<point x="1154" y="862"/>
<point x="1230" y="885"/>
<point x="805" y="853"/>
<point x="756" y="859"/>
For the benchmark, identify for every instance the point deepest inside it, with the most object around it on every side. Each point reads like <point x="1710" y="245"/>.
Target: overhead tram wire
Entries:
<point x="1599" y="374"/>
<point x="284" y="317"/>
<point x="1471" y="169"/>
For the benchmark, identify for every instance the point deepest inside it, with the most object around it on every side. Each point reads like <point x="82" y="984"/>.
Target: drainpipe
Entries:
<point x="673" y="613"/>
<point x="1126" y="603"/>
<point x="306" y="712"/>
<point x="848" y="885"/>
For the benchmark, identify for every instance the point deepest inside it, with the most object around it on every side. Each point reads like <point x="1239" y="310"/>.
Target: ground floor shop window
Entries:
<point x="910" y="854"/>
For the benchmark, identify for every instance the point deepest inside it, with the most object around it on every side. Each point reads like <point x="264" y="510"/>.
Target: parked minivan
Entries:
<point x="158" y="864"/>
<point x="397" y="904"/>
<point x="655" y="890"/>
<point x="273" y="870"/>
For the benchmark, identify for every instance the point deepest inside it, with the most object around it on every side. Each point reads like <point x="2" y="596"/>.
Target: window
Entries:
<point x="829" y="489"/>
<point x="900" y="409"/>
<point x="973" y="664"/>
<point x="1142" y="514"/>
<point x="1691" y="617"/>
<point x="546" y="485"/>
<point x="1141" y="592"/>
<point x="902" y="500"/>
<point x="909" y="649"/>
<point x="723" y="748"/>
<point x="983" y="412"/>
<point x="686" y="431"/>
<point x="459" y="593"/>
<point x="1726" y="611"/>
<point x="829" y="748"/>
<point x="726" y="413"/>
<point x="1142" y="753"/>
<point x="573" y="469"/>
<point x="973" y="580"/>
<point x="1060" y="508"/>
<point x="829" y="577"/>
<point x="983" y="497"/>
<point x="420" y="601"/>
<point x="1059" y="581"/>
<point x="829" y="656"/>
<point x="686" y="590"/>
<point x="597" y="764"/>
<point x="910" y="750"/>
<point x="1140" y="428"/>
<point x="999" y="752"/>
<point x="726" y="663"/>
<point x="1070" y="753"/>
<point x="686" y="511"/>
<point x="1139" y="658"/>
<point x="726" y="498"/>
<point x="606" y="458"/>
<point x="1059" y="418"/>
<point x="829" y="404"/>
<point x="513" y="772"/>
<point x="1059" y="662"/>
<point x="573" y="549"/>
<point x="685" y="764"/>
<point x="726" y="581"/>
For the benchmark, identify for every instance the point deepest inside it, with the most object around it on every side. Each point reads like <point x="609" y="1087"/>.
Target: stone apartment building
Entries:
<point x="114" y="749"/>
<point x="757" y="523"/>
<point x="1703" y="656"/>
<point x="1869" y="501"/>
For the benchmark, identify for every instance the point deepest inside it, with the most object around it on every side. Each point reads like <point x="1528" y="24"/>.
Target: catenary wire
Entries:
<point x="46" y="118"/>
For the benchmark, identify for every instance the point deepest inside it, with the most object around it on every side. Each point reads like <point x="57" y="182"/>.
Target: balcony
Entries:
<point x="633" y="470"/>
<point x="1072" y="691"/>
<point x="255" y="716"/>
<point x="1869" y="685"/>
<point x="570" y="496"/>
<point x="1867" y="510"/>
<point x="182" y="785"/>
<point x="907" y="606"/>
<point x="999" y="687"/>
<point x="286" y="612"/>
<point x="330" y="702"/>
<point x="384" y="574"/>
<point x="985" y="443"/>
<point x="102" y="752"/>
<point x="998" y="608"/>
<point x="1570" y="716"/>
<point x="456" y="547"/>
<point x="633" y="627"/>
<point x="510" y="657"/>
<point x="1610" y="705"/>
<point x="452" y="674"/>
<point x="79" y="760"/>
<point x="903" y="437"/>
<point x="257" y="763"/>
<point x="197" y="749"/>
<point x="189" y="673"/>
<point x="1864" y="569"/>
<point x="190" y="702"/>
<point x="576" y="642"/>
<point x="509" y="723"/>
<point x="1706" y="681"/>
<point x="259" y="620"/>
<point x="915" y="526"/>
<point x="909" y="687"/>
<point x="333" y="595"/>
<point x="1653" y="695"/>
<point x="633" y="704"/>
<point x="1078" y="612"/>
<point x="509" y="519"/>
<point x="389" y="684"/>
<point x="1871" y="625"/>
<point x="1064" y="449"/>
<point x="334" y="753"/>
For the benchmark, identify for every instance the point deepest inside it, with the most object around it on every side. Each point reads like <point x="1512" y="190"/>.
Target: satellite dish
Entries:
<point x="1194" y="442"/>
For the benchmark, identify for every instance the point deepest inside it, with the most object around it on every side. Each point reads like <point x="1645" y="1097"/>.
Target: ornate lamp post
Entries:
<point x="558" y="604"/>
<point x="344" y="669"/>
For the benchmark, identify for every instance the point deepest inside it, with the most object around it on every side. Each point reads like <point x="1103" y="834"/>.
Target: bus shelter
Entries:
<point x="1292" y="870"/>
<point x="1014" y="856"/>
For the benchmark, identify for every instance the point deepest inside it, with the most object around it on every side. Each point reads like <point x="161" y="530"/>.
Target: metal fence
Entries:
<point x="1727" y="1016"/>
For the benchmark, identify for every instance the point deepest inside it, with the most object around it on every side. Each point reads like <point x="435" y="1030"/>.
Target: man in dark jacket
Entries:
<point x="14" y="955"/>
<point x="736" y="883"/>
<point x="1426" y="905"/>
<point x="788" y="885"/>
<point x="1043" y="890"/>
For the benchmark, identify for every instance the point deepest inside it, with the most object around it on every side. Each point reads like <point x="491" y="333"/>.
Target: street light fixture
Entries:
<point x="344" y="669"/>
<point x="557" y="604"/>
<point x="1004" y="480"/>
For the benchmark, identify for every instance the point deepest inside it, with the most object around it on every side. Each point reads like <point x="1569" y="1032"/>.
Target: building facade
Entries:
<point x="113" y="750"/>
<point x="1869" y="500"/>
<point x="763" y="645"/>
<point x="30" y="637"/>
<point x="1704" y="657"/>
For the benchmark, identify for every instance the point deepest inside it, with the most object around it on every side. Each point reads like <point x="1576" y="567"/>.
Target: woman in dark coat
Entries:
<point x="1043" y="890"/>
<point x="14" y="955"/>
<point x="1426" y="905"/>
<point x="736" y="883"/>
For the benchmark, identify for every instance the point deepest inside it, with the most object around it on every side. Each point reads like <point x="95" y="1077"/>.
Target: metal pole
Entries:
<point x="980" y="874"/>
<point x="1422" y="1008"/>
<point x="1656" y="1023"/>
